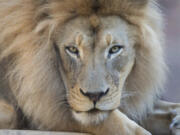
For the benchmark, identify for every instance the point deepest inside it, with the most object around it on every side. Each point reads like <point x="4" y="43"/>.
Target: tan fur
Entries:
<point x="27" y="29"/>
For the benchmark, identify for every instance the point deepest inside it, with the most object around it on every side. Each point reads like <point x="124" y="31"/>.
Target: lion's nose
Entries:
<point x="95" y="96"/>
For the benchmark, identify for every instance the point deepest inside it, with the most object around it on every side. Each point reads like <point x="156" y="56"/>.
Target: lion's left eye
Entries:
<point x="72" y="50"/>
<point x="115" y="49"/>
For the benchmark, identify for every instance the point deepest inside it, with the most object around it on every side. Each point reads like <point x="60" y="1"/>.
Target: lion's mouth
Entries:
<point x="93" y="111"/>
<point x="92" y="116"/>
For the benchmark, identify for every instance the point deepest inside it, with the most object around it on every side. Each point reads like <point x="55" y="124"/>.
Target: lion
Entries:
<point x="94" y="66"/>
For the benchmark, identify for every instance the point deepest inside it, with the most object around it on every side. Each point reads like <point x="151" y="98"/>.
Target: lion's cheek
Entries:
<point x="79" y="103"/>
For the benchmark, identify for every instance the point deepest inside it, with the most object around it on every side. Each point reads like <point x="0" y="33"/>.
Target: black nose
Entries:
<point x="96" y="96"/>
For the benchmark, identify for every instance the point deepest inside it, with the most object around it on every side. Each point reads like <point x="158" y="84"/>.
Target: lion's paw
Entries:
<point x="175" y="125"/>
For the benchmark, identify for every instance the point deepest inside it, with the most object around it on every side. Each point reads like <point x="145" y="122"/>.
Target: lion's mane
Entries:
<point x="26" y="36"/>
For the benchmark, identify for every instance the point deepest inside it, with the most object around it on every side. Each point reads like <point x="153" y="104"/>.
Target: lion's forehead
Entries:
<point x="95" y="30"/>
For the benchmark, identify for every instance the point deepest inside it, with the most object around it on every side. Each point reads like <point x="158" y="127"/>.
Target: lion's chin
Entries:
<point x="91" y="117"/>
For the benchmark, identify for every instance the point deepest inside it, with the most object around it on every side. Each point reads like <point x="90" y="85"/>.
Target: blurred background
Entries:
<point x="171" y="10"/>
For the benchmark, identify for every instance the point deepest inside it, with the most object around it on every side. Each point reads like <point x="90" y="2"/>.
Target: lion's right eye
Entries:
<point x="115" y="49"/>
<point x="72" y="50"/>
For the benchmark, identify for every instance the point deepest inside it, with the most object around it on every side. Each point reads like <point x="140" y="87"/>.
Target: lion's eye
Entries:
<point x="115" y="49"/>
<point x="72" y="50"/>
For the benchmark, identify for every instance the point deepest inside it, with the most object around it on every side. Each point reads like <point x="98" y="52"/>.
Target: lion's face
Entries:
<point x="96" y="60"/>
<point x="54" y="45"/>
